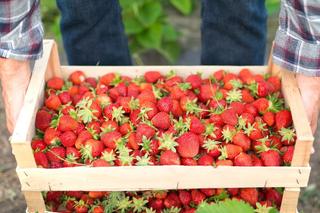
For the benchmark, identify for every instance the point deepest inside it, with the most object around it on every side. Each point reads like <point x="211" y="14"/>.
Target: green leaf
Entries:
<point x="272" y="6"/>
<point x="149" y="13"/>
<point x="152" y="37"/>
<point x="234" y="206"/>
<point x="183" y="6"/>
<point x="132" y="25"/>
<point x="170" y="50"/>
<point x="169" y="33"/>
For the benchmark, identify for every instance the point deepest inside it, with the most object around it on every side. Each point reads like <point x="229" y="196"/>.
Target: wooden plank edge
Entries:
<point x="290" y="200"/>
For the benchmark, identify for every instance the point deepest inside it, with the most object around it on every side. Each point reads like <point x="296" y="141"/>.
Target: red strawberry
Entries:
<point x="188" y="162"/>
<point x="194" y="80"/>
<point x="205" y="160"/>
<point x="53" y="102"/>
<point x="169" y="157"/>
<point x="256" y="161"/>
<point x="262" y="105"/>
<point x="218" y="75"/>
<point x="242" y="140"/>
<point x="232" y="150"/>
<point x="283" y="119"/>
<point x="268" y="117"/>
<point x="246" y="96"/>
<point x="206" y="92"/>
<point x="262" y="90"/>
<point x="274" y="196"/>
<point x="270" y="158"/>
<point x="275" y="82"/>
<point x="107" y="78"/>
<point x="97" y="209"/>
<point x="55" y="83"/>
<point x="82" y="137"/>
<point x="196" y="126"/>
<point x="287" y="154"/>
<point x="229" y="116"/>
<point x="246" y="76"/>
<point x="68" y="138"/>
<point x="110" y="139"/>
<point x="176" y="108"/>
<point x="156" y="204"/>
<point x="238" y="107"/>
<point x="165" y="104"/>
<point x="51" y="136"/>
<point x="67" y="123"/>
<point x="65" y="97"/>
<point x="91" y="149"/>
<point x="144" y="130"/>
<point x="216" y="119"/>
<point x="161" y="120"/>
<point x="43" y="119"/>
<point x="38" y="144"/>
<point x="100" y="163"/>
<point x="152" y="76"/>
<point x="77" y="77"/>
<point x="41" y="159"/>
<point x="224" y="163"/>
<point x="56" y="154"/>
<point x="249" y="195"/>
<point x="185" y="197"/>
<point x="188" y="145"/>
<point x="172" y="200"/>
<point x="208" y="192"/>
<point x="197" y="196"/>
<point x="243" y="159"/>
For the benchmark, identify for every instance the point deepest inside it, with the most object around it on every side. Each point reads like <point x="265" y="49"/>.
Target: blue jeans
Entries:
<point x="233" y="32"/>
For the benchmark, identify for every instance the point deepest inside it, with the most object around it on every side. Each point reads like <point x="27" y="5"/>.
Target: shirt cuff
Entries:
<point x="296" y="55"/>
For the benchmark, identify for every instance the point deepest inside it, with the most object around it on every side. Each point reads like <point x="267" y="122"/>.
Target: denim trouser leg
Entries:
<point x="233" y="32"/>
<point x="93" y="32"/>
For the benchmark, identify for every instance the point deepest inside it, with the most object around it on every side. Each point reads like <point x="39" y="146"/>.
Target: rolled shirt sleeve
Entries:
<point x="297" y="41"/>
<point x="21" y="31"/>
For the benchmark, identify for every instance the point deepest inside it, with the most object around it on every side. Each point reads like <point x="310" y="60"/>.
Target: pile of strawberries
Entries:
<point x="224" y="120"/>
<point x="173" y="201"/>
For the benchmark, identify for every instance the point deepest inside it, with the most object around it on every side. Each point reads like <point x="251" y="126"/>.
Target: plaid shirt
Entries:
<point x="297" y="42"/>
<point x="21" y="31"/>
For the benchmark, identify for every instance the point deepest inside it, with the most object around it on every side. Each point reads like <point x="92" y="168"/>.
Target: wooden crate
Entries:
<point x="34" y="180"/>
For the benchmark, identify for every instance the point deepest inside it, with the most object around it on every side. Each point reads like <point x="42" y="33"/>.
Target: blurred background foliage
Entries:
<point x="146" y="24"/>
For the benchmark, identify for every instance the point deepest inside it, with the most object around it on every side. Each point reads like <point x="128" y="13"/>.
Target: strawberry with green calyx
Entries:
<point x="262" y="208"/>
<point x="64" y="97"/>
<point x="144" y="130"/>
<point x="205" y="160"/>
<point x="172" y="210"/>
<point x="56" y="154"/>
<point x="108" y="156"/>
<point x="229" y="116"/>
<point x="212" y="147"/>
<point x="270" y="156"/>
<point x="53" y="102"/>
<point x="262" y="144"/>
<point x="188" y="145"/>
<point x="191" y="107"/>
<point x="197" y="196"/>
<point x="142" y="115"/>
<point x="51" y="136"/>
<point x="210" y="130"/>
<point x="124" y="157"/>
<point x="96" y="209"/>
<point x="259" y="89"/>
<point x="167" y="142"/>
<point x="38" y="145"/>
<point x="41" y="159"/>
<point x="110" y="139"/>
<point x="161" y="120"/>
<point x="139" y="204"/>
<point x="287" y="154"/>
<point x="94" y="132"/>
<point x="276" y="103"/>
<point x="43" y="119"/>
<point x="228" y="133"/>
<point x="233" y="96"/>
<point x="288" y="136"/>
<point x="84" y="111"/>
<point x="124" y="204"/>
<point x="182" y="125"/>
<point x="249" y="195"/>
<point x="246" y="96"/>
<point x="229" y="151"/>
<point x="143" y="160"/>
<point x="91" y="149"/>
<point x="117" y="114"/>
<point x="169" y="157"/>
<point x="242" y="140"/>
<point x="253" y="131"/>
<point x="172" y="200"/>
<point x="243" y="159"/>
<point x="283" y="119"/>
<point x="81" y="206"/>
<point x="103" y="100"/>
<point x="274" y="196"/>
<point x="194" y="80"/>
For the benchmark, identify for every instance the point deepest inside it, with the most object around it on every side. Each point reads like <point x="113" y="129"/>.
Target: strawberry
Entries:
<point x="274" y="196"/>
<point x="208" y="192"/>
<point x="41" y="159"/>
<point x="224" y="163"/>
<point x="169" y="157"/>
<point x="176" y="108"/>
<point x="161" y="120"/>
<point x="275" y="82"/>
<point x="287" y="154"/>
<point x="185" y="197"/>
<point x="82" y="137"/>
<point x="246" y="96"/>
<point x="107" y="79"/>
<point x="156" y="204"/>
<point x="67" y="123"/>
<point x="144" y="130"/>
<point x="65" y="97"/>
<point x="243" y="159"/>
<point x="249" y="195"/>
<point x="53" y="102"/>
<point x="232" y="150"/>
<point x="206" y="92"/>
<point x="194" y="80"/>
<point x="219" y="74"/>
<point x="242" y="140"/>
<point x="91" y="149"/>
<point x="172" y="200"/>
<point x="188" y="145"/>
<point x="38" y="145"/>
<point x="165" y="104"/>
<point x="81" y="207"/>
<point x="56" y="154"/>
<point x="268" y="117"/>
<point x="68" y="138"/>
<point x="229" y="116"/>
<point x="246" y="76"/>
<point x="43" y="119"/>
<point x="51" y="136"/>
<point x="97" y="209"/>
<point x="77" y="77"/>
<point x="283" y="119"/>
<point x="196" y="126"/>
<point x="55" y="83"/>
<point x="152" y="76"/>
<point x="197" y="196"/>
<point x="238" y="107"/>
<point x="262" y="105"/>
<point x="188" y="162"/>
<point x="270" y="158"/>
<point x="110" y="139"/>
<point x="206" y="160"/>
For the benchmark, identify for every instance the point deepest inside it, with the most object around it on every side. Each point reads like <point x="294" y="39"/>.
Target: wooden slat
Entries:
<point x="305" y="138"/>
<point x="290" y="200"/>
<point x="35" y="202"/>
<point x="160" y="177"/>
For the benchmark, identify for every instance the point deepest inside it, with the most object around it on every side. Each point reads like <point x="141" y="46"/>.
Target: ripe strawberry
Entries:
<point x="97" y="209"/>
<point x="38" y="144"/>
<point x="249" y="195"/>
<point x="81" y="207"/>
<point x="144" y="130"/>
<point x="77" y="77"/>
<point x="161" y="120"/>
<point x="275" y="82"/>
<point x="208" y="192"/>
<point x="224" y="163"/>
<point x="197" y="196"/>
<point x="219" y="74"/>
<point x="287" y="154"/>
<point x="107" y="78"/>
<point x="262" y="90"/>
<point x="274" y="196"/>
<point x="169" y="157"/>
<point x="262" y="105"/>
<point x="243" y="159"/>
<point x="67" y="123"/>
<point x="82" y="137"/>
<point x="68" y="138"/>
<point x="270" y="158"/>
<point x="232" y="150"/>
<point x="55" y="83"/>
<point x="152" y="76"/>
<point x="165" y="104"/>
<point x="206" y="92"/>
<point x="65" y="97"/>
<point x="242" y="140"/>
<point x="172" y="200"/>
<point x="43" y="119"/>
<point x="56" y="154"/>
<point x="53" y="102"/>
<point x="188" y="162"/>
<point x="41" y="159"/>
<point x="51" y="136"/>
<point x="268" y="117"/>
<point x="185" y="197"/>
<point x="229" y="116"/>
<point x="91" y="149"/>
<point x="246" y="76"/>
<point x="206" y="160"/>
<point x="196" y="126"/>
<point x="156" y="204"/>
<point x="188" y="145"/>
<point x="283" y="119"/>
<point x="194" y="80"/>
<point x="176" y="108"/>
<point x="110" y="139"/>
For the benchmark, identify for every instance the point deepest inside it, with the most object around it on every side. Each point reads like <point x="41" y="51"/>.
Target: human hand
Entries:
<point x="15" y="77"/>
<point x="310" y="93"/>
